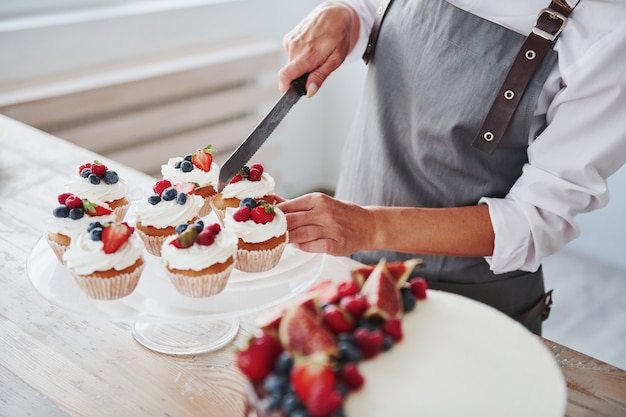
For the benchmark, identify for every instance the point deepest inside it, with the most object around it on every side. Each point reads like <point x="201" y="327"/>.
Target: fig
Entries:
<point x="382" y="294"/>
<point x="302" y="333"/>
<point x="400" y="271"/>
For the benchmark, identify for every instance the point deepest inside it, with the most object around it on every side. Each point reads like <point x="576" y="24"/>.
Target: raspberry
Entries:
<point x="254" y="174"/>
<point x="215" y="228"/>
<point x="351" y="376"/>
<point x="62" y="197"/>
<point x="73" y="202"/>
<point x="98" y="169"/>
<point x="161" y="185"/>
<point x="205" y="238"/>
<point x="242" y="214"/>
<point x="418" y="287"/>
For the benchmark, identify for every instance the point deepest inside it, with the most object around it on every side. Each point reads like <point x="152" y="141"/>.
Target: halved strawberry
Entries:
<point x="115" y="235"/>
<point x="203" y="158"/>
<point x="94" y="209"/>
<point x="186" y="187"/>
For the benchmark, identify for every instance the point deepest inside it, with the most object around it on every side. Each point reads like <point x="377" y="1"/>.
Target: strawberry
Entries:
<point x="355" y="304"/>
<point x="351" y="376"/>
<point x="161" y="185"/>
<point x="347" y="287"/>
<point x="98" y="168"/>
<point x="205" y="238"/>
<point x="94" y="209"/>
<point x="369" y="342"/>
<point x="186" y="187"/>
<point x="73" y="201"/>
<point x="315" y="384"/>
<point x="84" y="166"/>
<point x="393" y="328"/>
<point x="115" y="235"/>
<point x="62" y="197"/>
<point x="418" y="287"/>
<point x="242" y="214"/>
<point x="203" y="158"/>
<point x="337" y="319"/>
<point x="236" y="178"/>
<point x="257" y="359"/>
<point x="263" y="213"/>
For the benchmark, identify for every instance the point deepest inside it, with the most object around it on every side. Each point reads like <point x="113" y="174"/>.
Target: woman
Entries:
<point x="411" y="182"/>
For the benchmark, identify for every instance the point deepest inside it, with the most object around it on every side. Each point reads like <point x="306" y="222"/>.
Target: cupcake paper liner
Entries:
<point x="120" y="212"/>
<point x="58" y="250"/>
<point x="153" y="243"/>
<point x="259" y="260"/>
<point x="109" y="288"/>
<point x="206" y="208"/>
<point x="201" y="285"/>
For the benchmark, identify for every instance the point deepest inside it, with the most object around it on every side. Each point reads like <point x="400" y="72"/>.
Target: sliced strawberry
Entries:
<point x="115" y="235"/>
<point x="203" y="158"/>
<point x="186" y="187"/>
<point x="161" y="185"/>
<point x="256" y="360"/>
<point x="94" y="209"/>
<point x="263" y="213"/>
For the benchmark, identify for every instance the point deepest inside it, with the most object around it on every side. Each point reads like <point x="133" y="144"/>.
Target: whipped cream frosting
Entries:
<point x="196" y="175"/>
<point x="85" y="256"/>
<point x="71" y="228"/>
<point x="198" y="257"/>
<point x="246" y="188"/>
<point x="167" y="213"/>
<point x="252" y="232"/>
<point x="98" y="192"/>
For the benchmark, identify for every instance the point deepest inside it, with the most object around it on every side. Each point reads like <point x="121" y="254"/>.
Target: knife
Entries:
<point x="257" y="137"/>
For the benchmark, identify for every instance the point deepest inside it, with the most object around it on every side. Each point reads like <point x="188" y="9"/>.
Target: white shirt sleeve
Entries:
<point x="584" y="142"/>
<point x="366" y="10"/>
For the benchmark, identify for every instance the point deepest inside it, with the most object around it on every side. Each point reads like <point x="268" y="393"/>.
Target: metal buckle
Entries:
<point x="553" y="15"/>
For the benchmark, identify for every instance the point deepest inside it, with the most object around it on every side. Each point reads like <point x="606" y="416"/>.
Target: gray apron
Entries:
<point x="433" y="77"/>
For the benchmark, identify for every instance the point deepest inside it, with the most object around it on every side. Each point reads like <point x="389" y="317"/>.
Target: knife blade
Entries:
<point x="261" y="132"/>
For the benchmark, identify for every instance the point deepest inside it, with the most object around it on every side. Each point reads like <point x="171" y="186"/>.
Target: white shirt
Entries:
<point x="584" y="101"/>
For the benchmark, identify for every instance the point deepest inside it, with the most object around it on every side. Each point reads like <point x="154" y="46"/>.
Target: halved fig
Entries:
<point x="302" y="333"/>
<point x="382" y="294"/>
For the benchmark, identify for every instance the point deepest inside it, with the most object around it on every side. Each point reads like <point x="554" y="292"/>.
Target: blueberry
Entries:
<point x="275" y="383"/>
<point x="290" y="403"/>
<point x="94" y="225"/>
<point x="181" y="198"/>
<point x="349" y="352"/>
<point x="169" y="194"/>
<point x="300" y="412"/>
<point x="187" y="157"/>
<point x="199" y="227"/>
<point x="181" y="228"/>
<point x="96" y="234"/>
<point x="94" y="179"/>
<point x="61" y="212"/>
<point x="387" y="342"/>
<point x="408" y="299"/>
<point x="284" y="363"/>
<point x="342" y="389"/>
<point x="274" y="401"/>
<point x="186" y="166"/>
<point x="246" y="170"/>
<point x="248" y="201"/>
<point x="77" y="213"/>
<point x="111" y="177"/>
<point x="177" y="164"/>
<point x="200" y="224"/>
<point x="346" y="337"/>
<point x="86" y="172"/>
<point x="154" y="199"/>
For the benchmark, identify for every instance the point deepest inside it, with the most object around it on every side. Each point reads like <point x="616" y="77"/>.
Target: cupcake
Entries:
<point x="106" y="260"/>
<point x="252" y="181"/>
<point x="159" y="214"/>
<point x="96" y="182"/>
<point x="262" y="231"/>
<point x="71" y="217"/>
<point x="198" y="259"/>
<point x="197" y="168"/>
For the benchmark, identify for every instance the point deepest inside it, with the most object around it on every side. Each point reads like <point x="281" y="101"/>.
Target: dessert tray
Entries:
<point x="166" y="321"/>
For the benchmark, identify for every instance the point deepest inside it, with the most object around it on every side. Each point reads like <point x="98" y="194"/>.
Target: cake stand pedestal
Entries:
<point x="166" y="321"/>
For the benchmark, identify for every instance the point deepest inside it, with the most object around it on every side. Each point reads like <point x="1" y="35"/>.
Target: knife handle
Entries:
<point x="299" y="84"/>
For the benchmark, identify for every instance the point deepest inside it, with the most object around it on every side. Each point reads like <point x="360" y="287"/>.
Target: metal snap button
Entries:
<point x="530" y="55"/>
<point x="509" y="94"/>
<point x="488" y="136"/>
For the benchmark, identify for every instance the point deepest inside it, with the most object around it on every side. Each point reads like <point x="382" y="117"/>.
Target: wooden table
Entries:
<point x="55" y="363"/>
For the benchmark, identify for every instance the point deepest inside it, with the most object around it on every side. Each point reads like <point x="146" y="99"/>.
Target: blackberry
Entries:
<point x="154" y="199"/>
<point x="61" y="212"/>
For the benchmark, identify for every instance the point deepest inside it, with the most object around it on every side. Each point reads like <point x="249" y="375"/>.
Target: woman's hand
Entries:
<point x="319" y="223"/>
<point x="319" y="44"/>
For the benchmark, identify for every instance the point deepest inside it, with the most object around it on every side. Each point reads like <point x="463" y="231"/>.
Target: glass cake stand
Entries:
<point x="165" y="321"/>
